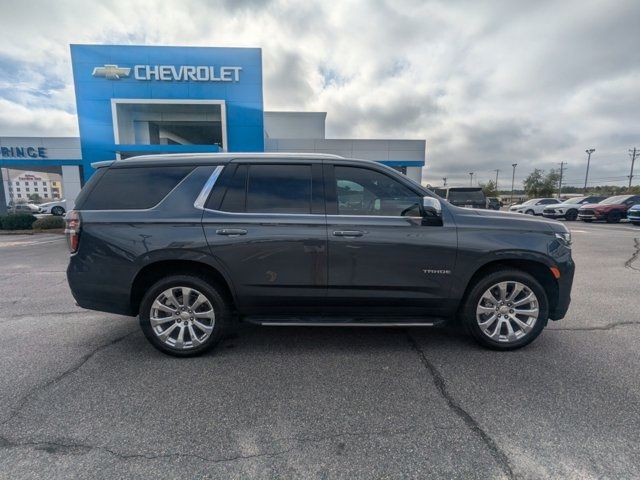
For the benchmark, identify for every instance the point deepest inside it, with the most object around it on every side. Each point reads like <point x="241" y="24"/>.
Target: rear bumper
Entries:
<point x="90" y="291"/>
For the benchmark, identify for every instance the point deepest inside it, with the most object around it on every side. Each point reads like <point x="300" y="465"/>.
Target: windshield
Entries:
<point x="530" y="202"/>
<point x="614" y="200"/>
<point x="466" y="195"/>
<point x="575" y="200"/>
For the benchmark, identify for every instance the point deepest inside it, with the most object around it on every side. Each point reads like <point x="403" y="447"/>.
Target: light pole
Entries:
<point x="497" y="172"/>
<point x="471" y="179"/>
<point x="444" y="179"/>
<point x="513" y="179"/>
<point x="589" y="151"/>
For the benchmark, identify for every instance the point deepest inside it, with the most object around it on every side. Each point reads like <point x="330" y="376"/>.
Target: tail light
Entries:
<point x="73" y="230"/>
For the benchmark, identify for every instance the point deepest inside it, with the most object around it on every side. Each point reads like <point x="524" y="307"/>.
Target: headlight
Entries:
<point x="564" y="237"/>
<point x="560" y="210"/>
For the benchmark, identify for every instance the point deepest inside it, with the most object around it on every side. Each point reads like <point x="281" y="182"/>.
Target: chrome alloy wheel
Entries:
<point x="182" y="318"/>
<point x="507" y="311"/>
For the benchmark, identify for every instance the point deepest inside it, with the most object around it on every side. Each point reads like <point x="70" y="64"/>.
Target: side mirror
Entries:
<point x="431" y="207"/>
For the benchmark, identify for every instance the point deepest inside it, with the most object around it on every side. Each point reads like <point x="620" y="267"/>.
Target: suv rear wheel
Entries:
<point x="506" y="309"/>
<point x="183" y="315"/>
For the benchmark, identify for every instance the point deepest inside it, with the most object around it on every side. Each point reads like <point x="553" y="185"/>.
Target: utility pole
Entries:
<point x="513" y="179"/>
<point x="560" y="182"/>
<point x="589" y="151"/>
<point x="632" y="153"/>
<point x="444" y="179"/>
<point x="471" y="179"/>
<point x="497" y="172"/>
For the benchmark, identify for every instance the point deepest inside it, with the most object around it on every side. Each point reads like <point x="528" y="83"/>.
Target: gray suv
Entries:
<point x="193" y="243"/>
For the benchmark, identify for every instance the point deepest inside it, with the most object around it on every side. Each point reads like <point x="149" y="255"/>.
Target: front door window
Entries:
<point x="360" y="191"/>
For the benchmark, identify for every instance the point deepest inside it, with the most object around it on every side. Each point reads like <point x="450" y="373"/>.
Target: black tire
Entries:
<point x="468" y="310"/>
<point x="613" y="217"/>
<point x="57" y="211"/>
<point x="637" y="224"/>
<point x="530" y="212"/>
<point x="215" y="296"/>
<point x="571" y="215"/>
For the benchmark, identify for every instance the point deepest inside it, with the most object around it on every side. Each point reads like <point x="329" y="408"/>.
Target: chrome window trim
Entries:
<point x="266" y="214"/>
<point x="223" y="212"/>
<point x="208" y="186"/>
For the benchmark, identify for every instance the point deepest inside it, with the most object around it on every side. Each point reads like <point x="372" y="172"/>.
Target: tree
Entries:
<point x="35" y="198"/>
<point x="550" y="183"/>
<point x="534" y="183"/>
<point x="489" y="189"/>
<point x="537" y="184"/>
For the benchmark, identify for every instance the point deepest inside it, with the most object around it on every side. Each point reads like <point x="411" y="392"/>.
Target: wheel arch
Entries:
<point x="153" y="272"/>
<point x="536" y="268"/>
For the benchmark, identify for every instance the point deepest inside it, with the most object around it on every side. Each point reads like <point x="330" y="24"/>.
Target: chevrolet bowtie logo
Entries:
<point x="111" y="72"/>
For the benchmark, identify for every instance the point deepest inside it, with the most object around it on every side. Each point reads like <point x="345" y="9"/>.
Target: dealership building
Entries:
<point x="134" y="100"/>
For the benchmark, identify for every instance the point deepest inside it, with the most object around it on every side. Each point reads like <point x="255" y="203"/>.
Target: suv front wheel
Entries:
<point x="506" y="309"/>
<point x="183" y="315"/>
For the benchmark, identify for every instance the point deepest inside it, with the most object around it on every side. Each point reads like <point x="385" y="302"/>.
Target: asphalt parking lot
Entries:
<point x="83" y="395"/>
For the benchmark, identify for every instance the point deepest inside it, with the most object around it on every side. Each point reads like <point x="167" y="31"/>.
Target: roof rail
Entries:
<point x="231" y="155"/>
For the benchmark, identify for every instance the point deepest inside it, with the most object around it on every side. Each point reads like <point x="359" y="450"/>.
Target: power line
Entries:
<point x="589" y="151"/>
<point x="562" y="164"/>
<point x="513" y="178"/>
<point x="632" y="154"/>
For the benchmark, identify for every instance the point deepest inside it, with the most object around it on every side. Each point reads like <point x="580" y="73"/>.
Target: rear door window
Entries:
<point x="132" y="188"/>
<point x="279" y="189"/>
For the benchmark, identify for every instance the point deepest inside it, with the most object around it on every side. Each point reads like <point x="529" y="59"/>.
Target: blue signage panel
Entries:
<point x="105" y="72"/>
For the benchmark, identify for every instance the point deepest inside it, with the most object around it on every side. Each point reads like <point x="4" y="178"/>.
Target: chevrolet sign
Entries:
<point x="112" y="72"/>
<point x="167" y="73"/>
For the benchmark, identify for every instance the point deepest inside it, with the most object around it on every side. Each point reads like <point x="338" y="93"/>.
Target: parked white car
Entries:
<point x="59" y="207"/>
<point x="569" y="208"/>
<point x="24" y="208"/>
<point x="535" y="206"/>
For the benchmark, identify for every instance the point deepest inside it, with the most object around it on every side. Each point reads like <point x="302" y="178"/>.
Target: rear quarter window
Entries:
<point x="130" y="188"/>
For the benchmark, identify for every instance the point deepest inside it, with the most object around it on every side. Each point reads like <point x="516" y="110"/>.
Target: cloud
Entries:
<point x="487" y="84"/>
<point x="18" y="120"/>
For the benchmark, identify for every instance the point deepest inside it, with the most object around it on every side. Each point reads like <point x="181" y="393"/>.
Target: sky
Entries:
<point x="486" y="83"/>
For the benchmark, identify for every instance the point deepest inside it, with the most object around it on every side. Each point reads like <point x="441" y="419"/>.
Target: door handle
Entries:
<point x="231" y="231"/>
<point x="348" y="233"/>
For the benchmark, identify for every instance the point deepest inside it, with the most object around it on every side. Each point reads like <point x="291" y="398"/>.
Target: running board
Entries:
<point x="346" y="324"/>
<point x="319" y="321"/>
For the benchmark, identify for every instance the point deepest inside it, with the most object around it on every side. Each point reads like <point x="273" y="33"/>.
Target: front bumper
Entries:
<point x="582" y="216"/>
<point x="565" y="282"/>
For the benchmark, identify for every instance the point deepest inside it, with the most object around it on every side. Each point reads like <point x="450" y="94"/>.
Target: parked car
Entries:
<point x="192" y="243"/>
<point x="611" y="210"/>
<point x="494" y="203"/>
<point x="59" y="207"/>
<point x="469" y="197"/>
<point x="535" y="206"/>
<point x="24" y="208"/>
<point x="569" y="208"/>
<point x="633" y="214"/>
